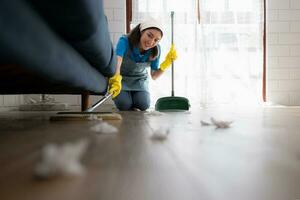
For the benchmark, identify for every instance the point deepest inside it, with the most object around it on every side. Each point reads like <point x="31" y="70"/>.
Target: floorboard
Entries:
<point x="258" y="157"/>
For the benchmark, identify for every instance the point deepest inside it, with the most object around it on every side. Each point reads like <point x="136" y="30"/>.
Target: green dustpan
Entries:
<point x="172" y="103"/>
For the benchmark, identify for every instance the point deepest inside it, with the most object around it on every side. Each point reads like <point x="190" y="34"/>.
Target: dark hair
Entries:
<point x="134" y="37"/>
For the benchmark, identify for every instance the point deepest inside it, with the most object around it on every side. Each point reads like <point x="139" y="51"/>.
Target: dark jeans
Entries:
<point x="128" y="100"/>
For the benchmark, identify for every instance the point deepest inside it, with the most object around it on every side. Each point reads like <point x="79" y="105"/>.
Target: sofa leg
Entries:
<point x="85" y="101"/>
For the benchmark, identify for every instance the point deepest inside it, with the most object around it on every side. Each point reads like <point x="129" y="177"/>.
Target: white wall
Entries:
<point x="283" y="51"/>
<point x="115" y="12"/>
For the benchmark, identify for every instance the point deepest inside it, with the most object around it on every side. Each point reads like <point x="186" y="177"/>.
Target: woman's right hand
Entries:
<point x="115" y="85"/>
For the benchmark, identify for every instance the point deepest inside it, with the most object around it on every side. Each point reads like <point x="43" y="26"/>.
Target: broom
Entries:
<point x="172" y="103"/>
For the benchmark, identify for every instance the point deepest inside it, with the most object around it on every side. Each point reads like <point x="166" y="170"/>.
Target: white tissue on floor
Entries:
<point x="220" y="123"/>
<point x="104" y="127"/>
<point x="63" y="160"/>
<point x="153" y="113"/>
<point x="204" y="123"/>
<point x="160" y="134"/>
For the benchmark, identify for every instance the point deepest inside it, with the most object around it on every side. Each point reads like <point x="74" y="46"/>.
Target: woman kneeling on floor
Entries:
<point x="136" y="52"/>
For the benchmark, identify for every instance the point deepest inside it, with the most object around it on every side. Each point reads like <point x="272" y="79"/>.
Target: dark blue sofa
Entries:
<point x="54" y="47"/>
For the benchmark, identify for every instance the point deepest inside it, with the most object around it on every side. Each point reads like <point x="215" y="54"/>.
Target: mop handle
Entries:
<point x="172" y="40"/>
<point x="100" y="102"/>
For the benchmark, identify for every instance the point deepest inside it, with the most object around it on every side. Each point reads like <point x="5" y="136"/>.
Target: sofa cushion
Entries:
<point x="83" y="24"/>
<point x="27" y="42"/>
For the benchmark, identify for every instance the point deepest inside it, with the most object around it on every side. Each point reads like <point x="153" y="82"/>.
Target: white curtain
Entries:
<point x="220" y="59"/>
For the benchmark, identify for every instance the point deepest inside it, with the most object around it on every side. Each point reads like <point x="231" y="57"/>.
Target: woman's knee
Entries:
<point x="143" y="106"/>
<point x="123" y="106"/>
<point x="141" y="100"/>
<point x="123" y="101"/>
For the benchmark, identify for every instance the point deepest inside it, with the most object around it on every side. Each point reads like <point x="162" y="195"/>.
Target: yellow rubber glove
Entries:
<point x="171" y="56"/>
<point x="115" y="85"/>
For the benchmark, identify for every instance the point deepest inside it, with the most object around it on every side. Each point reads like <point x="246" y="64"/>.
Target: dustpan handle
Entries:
<point x="172" y="41"/>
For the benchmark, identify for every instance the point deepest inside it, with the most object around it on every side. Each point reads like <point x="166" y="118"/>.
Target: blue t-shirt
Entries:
<point x="136" y="56"/>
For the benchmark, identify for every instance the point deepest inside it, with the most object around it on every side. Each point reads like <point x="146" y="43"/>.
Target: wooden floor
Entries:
<point x="258" y="158"/>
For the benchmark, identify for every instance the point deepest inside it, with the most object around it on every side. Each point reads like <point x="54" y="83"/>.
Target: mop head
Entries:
<point x="85" y="116"/>
<point x="172" y="104"/>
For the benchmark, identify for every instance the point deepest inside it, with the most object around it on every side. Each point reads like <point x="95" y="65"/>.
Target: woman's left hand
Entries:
<point x="171" y="56"/>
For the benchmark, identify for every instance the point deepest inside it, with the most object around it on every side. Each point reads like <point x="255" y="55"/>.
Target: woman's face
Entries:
<point x="149" y="38"/>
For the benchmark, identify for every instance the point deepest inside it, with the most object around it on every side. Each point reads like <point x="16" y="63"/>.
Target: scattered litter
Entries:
<point x="32" y="101"/>
<point x="104" y="127"/>
<point x="61" y="160"/>
<point x="154" y="113"/>
<point x="216" y="123"/>
<point x="160" y="134"/>
<point x="44" y="99"/>
<point x="220" y="123"/>
<point x="204" y="123"/>
<point x="48" y="98"/>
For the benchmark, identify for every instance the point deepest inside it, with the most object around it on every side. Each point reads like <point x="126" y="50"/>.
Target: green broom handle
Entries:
<point x="172" y="40"/>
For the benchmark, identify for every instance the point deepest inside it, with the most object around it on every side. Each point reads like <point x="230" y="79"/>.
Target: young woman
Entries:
<point x="136" y="52"/>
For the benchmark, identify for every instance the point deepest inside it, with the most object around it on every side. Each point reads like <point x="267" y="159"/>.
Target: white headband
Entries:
<point x="152" y="23"/>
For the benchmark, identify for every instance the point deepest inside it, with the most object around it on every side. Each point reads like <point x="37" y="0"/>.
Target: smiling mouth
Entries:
<point x="146" y="46"/>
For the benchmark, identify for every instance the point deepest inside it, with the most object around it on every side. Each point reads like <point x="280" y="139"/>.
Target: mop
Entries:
<point x="88" y="114"/>
<point x="172" y="103"/>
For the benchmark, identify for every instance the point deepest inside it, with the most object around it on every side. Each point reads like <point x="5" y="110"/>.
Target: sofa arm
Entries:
<point x="83" y="24"/>
<point x="26" y="41"/>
